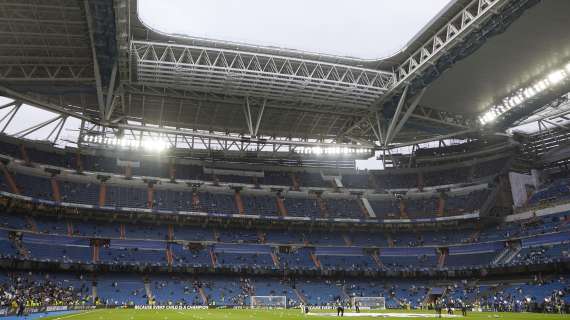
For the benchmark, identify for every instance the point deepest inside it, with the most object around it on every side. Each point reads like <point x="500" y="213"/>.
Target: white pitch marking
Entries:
<point x="73" y="315"/>
<point x="386" y="315"/>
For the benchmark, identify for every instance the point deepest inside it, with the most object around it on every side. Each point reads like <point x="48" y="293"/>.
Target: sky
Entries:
<point x="367" y="29"/>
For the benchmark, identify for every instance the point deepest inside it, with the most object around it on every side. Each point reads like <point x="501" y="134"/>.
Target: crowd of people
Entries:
<point x="31" y="290"/>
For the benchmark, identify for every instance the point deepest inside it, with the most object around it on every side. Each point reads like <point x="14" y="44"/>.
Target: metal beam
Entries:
<point x="396" y="116"/>
<point x="11" y="114"/>
<point x="259" y="116"/>
<point x="32" y="129"/>
<point x="247" y="114"/>
<point x="109" y="105"/>
<point x="407" y="115"/>
<point x="41" y="104"/>
<point x="96" y="70"/>
<point x="445" y="136"/>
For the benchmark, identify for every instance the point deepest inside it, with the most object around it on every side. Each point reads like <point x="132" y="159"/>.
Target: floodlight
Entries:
<point x="556" y="76"/>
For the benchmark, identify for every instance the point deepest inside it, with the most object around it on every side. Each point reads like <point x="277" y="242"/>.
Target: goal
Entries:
<point x="369" y="302"/>
<point x="268" y="301"/>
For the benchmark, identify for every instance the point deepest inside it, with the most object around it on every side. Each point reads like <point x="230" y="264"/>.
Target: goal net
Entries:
<point x="268" y="301"/>
<point x="369" y="302"/>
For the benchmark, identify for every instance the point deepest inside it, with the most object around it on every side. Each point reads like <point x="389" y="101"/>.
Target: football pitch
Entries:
<point x="291" y="314"/>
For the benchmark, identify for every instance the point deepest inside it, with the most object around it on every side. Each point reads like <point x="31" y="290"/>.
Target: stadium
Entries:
<point x="147" y="174"/>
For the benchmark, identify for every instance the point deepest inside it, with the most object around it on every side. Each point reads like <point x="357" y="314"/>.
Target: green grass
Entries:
<point x="246" y="314"/>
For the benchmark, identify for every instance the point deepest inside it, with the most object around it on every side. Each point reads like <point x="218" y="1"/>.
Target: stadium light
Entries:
<point x="521" y="95"/>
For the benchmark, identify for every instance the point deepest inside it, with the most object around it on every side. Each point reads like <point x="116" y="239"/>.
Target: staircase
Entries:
<point x="213" y="258"/>
<point x="376" y="258"/>
<point x="300" y="296"/>
<point x="508" y="253"/>
<point x="275" y="259"/>
<point x="368" y="207"/>
<point x="148" y="290"/>
<point x="203" y="295"/>
<point x="315" y="260"/>
<point x="363" y="209"/>
<point x="442" y="255"/>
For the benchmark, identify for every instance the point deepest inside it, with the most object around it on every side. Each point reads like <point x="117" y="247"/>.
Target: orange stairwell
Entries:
<point x="24" y="154"/>
<point x="281" y="206"/>
<point x="441" y="205"/>
<point x="315" y="260"/>
<point x="150" y="196"/>
<point x="55" y="190"/>
<point x="10" y="180"/>
<point x="239" y="202"/>
<point x="102" y="194"/>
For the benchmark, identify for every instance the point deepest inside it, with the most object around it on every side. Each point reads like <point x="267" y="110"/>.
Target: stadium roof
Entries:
<point x="96" y="61"/>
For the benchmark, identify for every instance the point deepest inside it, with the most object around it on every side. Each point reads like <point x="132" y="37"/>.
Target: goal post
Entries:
<point x="369" y="302"/>
<point x="268" y="301"/>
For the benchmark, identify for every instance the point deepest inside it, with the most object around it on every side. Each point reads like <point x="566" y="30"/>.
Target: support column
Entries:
<point x="102" y="194"/>
<point x="24" y="155"/>
<point x="150" y="196"/>
<point x="421" y="182"/>
<point x="128" y="170"/>
<point x="323" y="210"/>
<point x="8" y="177"/>
<point x="172" y="170"/>
<point x="239" y="202"/>
<point x="122" y="231"/>
<point x="170" y="232"/>
<point x="295" y="181"/>
<point x="368" y="207"/>
<point x="70" y="230"/>
<point x="78" y="162"/>
<point x="55" y="190"/>
<point x="441" y="204"/>
<point x="281" y="205"/>
<point x="403" y="213"/>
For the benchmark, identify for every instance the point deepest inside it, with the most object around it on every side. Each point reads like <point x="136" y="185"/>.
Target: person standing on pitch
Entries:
<point x="438" y="308"/>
